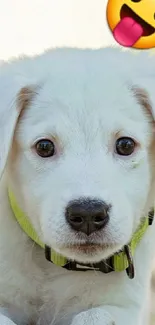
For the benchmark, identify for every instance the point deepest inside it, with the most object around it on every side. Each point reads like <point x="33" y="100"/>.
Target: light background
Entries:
<point x="30" y="26"/>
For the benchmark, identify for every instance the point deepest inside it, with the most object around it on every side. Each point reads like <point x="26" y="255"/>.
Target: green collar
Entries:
<point x="118" y="262"/>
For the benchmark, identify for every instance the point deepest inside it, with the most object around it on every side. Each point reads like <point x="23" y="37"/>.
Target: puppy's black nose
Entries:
<point x="87" y="215"/>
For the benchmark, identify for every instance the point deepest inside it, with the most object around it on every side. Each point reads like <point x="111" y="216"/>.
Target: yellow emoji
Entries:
<point x="132" y="22"/>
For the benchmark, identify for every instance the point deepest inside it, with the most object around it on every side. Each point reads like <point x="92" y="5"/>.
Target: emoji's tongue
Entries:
<point x="127" y="32"/>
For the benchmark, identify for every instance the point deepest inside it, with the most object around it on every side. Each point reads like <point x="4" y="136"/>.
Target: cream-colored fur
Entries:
<point x="82" y="100"/>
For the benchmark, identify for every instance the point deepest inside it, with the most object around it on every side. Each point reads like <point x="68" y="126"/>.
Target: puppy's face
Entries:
<point x="79" y="164"/>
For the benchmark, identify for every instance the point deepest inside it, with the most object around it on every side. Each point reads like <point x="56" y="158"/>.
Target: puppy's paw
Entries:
<point x="5" y="320"/>
<point x="94" y="316"/>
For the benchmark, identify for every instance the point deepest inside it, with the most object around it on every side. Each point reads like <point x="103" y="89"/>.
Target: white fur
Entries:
<point x="83" y="99"/>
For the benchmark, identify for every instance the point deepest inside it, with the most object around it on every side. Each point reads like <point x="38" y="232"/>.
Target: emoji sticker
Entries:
<point x="132" y="22"/>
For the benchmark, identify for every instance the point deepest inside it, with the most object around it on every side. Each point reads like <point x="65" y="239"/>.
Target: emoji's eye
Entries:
<point x="135" y="0"/>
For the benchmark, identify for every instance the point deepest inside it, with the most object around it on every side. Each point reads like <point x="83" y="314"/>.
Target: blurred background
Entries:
<point x="31" y="26"/>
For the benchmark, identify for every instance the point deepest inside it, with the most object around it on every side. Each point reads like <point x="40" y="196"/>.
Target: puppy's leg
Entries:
<point x="4" y="320"/>
<point x="107" y="315"/>
<point x="94" y="316"/>
<point x="13" y="316"/>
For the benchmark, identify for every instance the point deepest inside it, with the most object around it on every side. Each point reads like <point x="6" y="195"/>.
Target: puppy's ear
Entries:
<point x="144" y="91"/>
<point x="14" y="97"/>
<point x="143" y="99"/>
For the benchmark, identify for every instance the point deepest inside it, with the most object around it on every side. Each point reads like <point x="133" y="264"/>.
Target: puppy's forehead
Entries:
<point x="99" y="98"/>
<point x="86" y="100"/>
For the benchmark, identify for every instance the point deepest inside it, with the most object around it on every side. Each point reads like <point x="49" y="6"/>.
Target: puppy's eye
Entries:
<point x="135" y="0"/>
<point x="45" y="148"/>
<point x="125" y="146"/>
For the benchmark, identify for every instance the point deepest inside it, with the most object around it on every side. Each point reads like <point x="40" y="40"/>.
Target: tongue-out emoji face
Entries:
<point x="132" y="22"/>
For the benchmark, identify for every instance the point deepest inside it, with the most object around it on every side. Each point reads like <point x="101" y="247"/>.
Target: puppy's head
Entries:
<point x="77" y="151"/>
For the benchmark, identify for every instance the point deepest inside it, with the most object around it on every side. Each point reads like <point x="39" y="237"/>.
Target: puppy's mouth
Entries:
<point x="89" y="249"/>
<point x="89" y="252"/>
<point x="94" y="247"/>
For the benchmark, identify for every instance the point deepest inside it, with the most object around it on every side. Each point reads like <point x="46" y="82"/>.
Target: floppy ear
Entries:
<point x="14" y="97"/>
<point x="144" y="90"/>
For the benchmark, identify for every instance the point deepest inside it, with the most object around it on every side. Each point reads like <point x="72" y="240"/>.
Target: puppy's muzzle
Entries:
<point x="87" y="215"/>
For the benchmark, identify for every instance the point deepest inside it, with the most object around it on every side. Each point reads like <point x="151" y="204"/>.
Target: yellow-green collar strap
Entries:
<point x="118" y="262"/>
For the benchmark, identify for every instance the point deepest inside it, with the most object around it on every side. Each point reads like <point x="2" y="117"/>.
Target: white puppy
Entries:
<point x="77" y="155"/>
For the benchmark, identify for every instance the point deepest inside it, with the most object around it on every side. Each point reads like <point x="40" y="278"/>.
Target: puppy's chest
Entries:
<point x="72" y="292"/>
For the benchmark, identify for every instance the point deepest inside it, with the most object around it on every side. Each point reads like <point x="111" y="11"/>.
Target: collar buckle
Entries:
<point x="103" y="266"/>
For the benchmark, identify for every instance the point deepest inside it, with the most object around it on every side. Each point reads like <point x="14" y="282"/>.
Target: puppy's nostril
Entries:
<point x="76" y="219"/>
<point x="98" y="219"/>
